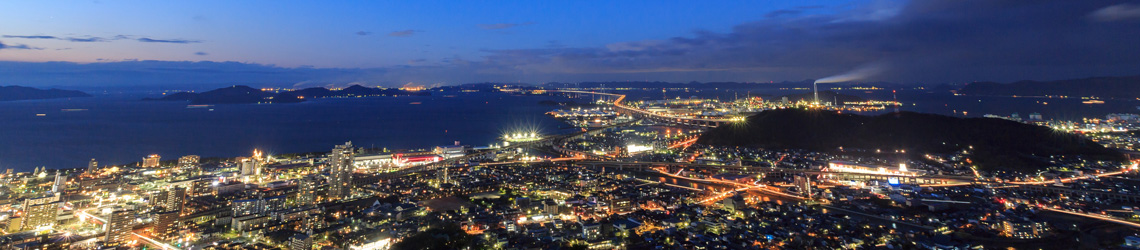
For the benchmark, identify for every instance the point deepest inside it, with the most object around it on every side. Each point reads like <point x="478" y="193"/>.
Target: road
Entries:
<point x="1098" y="217"/>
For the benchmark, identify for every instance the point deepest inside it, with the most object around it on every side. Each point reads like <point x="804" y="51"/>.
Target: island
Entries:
<point x="16" y="93"/>
<point x="240" y="94"/>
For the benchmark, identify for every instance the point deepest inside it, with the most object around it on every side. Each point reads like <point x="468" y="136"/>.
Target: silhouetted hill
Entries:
<point x="998" y="144"/>
<point x="824" y="96"/>
<point x="1127" y="87"/>
<point x="245" y="94"/>
<point x="14" y="93"/>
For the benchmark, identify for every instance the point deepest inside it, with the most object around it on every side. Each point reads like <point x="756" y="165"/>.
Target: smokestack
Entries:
<point x="815" y="91"/>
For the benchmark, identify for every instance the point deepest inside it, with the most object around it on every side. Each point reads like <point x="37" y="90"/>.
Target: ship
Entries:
<point x="1094" y="101"/>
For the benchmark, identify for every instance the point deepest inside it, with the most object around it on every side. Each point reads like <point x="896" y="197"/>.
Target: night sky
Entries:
<point x="389" y="43"/>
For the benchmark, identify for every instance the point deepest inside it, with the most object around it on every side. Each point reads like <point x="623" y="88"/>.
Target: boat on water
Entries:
<point x="198" y="106"/>
<point x="1094" y="101"/>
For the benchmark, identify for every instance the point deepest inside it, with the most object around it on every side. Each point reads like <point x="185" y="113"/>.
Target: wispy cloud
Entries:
<point x="88" y="39"/>
<point x="83" y="40"/>
<point x="403" y="33"/>
<point x="30" y="37"/>
<point x="363" y="33"/>
<point x="18" y="46"/>
<point x="1117" y="12"/>
<point x="180" y="41"/>
<point x="499" y="26"/>
<point x="200" y="53"/>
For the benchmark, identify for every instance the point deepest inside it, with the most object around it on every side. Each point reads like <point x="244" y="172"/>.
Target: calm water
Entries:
<point x="122" y="129"/>
<point x="119" y="129"/>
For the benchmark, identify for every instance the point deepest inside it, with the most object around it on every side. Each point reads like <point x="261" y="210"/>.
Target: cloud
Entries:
<point x="83" y="40"/>
<point x="499" y="26"/>
<point x="1117" y="12"/>
<point x="363" y="33"/>
<point x="403" y="33"/>
<point x="925" y="41"/>
<point x="200" y="53"/>
<point x="88" y="39"/>
<point x="180" y="41"/>
<point x="30" y="37"/>
<point x="18" y="46"/>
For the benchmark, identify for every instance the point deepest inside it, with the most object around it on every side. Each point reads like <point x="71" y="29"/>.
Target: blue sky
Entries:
<point x="358" y="34"/>
<point x="295" y="43"/>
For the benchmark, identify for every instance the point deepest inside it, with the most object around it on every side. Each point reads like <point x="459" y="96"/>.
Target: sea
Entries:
<point x="121" y="128"/>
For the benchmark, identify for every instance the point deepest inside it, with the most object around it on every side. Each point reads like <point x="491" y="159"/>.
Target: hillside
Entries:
<point x="15" y="93"/>
<point x="244" y="94"/>
<point x="998" y="144"/>
<point x="1105" y="87"/>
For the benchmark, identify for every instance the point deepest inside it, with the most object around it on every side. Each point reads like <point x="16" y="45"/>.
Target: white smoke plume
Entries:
<point x="860" y="73"/>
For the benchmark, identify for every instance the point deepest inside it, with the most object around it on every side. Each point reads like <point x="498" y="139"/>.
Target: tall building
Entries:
<point x="189" y="164"/>
<point x="201" y="187"/>
<point x="165" y="225"/>
<point x="40" y="212"/>
<point x="174" y="199"/>
<point x="151" y="161"/>
<point x="249" y="167"/>
<point x="119" y="227"/>
<point x="92" y="166"/>
<point x="803" y="183"/>
<point x="169" y="200"/>
<point x="306" y="191"/>
<point x="60" y="182"/>
<point x="341" y="168"/>
<point x="301" y="242"/>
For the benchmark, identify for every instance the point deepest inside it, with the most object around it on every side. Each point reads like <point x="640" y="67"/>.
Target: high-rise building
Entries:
<point x="151" y="161"/>
<point x="189" y="164"/>
<point x="168" y="200"/>
<point x="201" y="187"/>
<point x="175" y="198"/>
<point x="60" y="182"/>
<point x="165" y="225"/>
<point x="188" y="161"/>
<point x="301" y="242"/>
<point x="341" y="168"/>
<point x="40" y="212"/>
<point x="92" y="166"/>
<point x="306" y="191"/>
<point x="119" y="227"/>
<point x="249" y="167"/>
<point x="803" y="183"/>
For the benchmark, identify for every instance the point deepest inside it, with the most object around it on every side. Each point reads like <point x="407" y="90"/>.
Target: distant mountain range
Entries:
<point x="998" y="144"/>
<point x="14" y="93"/>
<point x="240" y="94"/>
<point x="1127" y="87"/>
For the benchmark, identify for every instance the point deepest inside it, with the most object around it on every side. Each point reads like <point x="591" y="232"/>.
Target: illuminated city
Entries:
<point x="912" y="130"/>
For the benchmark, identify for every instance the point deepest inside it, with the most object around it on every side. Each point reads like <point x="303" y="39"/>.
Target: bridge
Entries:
<point x="643" y="114"/>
